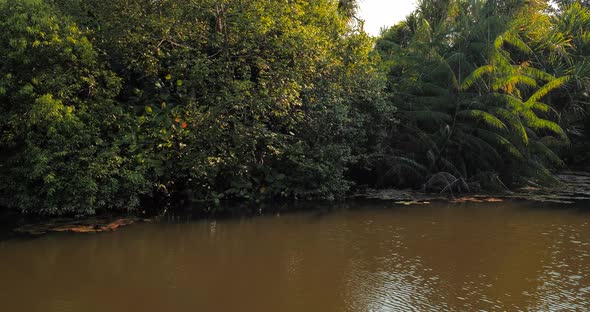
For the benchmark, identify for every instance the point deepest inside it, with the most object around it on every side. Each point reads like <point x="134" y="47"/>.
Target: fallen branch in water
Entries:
<point x="93" y="225"/>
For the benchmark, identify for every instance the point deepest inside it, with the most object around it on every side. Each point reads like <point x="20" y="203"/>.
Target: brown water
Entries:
<point x="371" y="257"/>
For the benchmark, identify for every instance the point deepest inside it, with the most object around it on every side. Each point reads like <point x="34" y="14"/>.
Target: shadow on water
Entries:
<point x="8" y="221"/>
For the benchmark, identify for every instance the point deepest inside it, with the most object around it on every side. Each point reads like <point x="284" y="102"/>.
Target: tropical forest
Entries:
<point x="105" y="104"/>
<point x="472" y="114"/>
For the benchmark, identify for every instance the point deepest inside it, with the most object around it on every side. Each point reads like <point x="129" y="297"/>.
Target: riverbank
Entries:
<point x="573" y="186"/>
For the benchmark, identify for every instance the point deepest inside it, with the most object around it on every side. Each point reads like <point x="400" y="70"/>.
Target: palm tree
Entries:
<point x="469" y="94"/>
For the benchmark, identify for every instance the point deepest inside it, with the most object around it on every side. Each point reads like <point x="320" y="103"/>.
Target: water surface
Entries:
<point x="367" y="257"/>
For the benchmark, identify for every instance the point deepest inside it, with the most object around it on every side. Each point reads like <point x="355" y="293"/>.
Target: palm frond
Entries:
<point x="428" y="115"/>
<point x="544" y="90"/>
<point x="476" y="75"/>
<point x="533" y="121"/>
<point x="514" y="122"/>
<point x="496" y="139"/>
<point x="537" y="74"/>
<point x="508" y="84"/>
<point x="546" y="153"/>
<point x="486" y="117"/>
<point x="516" y="41"/>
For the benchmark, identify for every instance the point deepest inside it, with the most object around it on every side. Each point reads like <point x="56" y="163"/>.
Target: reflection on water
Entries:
<point x="375" y="257"/>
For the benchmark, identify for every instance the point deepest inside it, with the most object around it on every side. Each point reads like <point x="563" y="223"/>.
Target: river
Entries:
<point x="362" y="256"/>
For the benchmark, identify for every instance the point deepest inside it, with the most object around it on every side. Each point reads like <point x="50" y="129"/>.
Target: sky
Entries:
<point x="379" y="13"/>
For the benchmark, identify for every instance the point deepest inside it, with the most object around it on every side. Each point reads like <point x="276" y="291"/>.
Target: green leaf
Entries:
<point x="486" y="117"/>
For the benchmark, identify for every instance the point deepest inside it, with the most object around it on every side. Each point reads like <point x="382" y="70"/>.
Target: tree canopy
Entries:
<point x="107" y="104"/>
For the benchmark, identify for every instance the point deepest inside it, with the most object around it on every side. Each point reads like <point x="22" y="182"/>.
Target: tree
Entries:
<point x="241" y="99"/>
<point x="59" y="122"/>
<point x="469" y="89"/>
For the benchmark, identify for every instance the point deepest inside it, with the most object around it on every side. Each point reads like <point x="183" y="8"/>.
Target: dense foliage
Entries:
<point x="489" y="92"/>
<point x="60" y="124"/>
<point x="105" y="103"/>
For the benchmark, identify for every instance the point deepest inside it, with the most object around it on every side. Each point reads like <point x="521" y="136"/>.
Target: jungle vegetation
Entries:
<point x="107" y="104"/>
